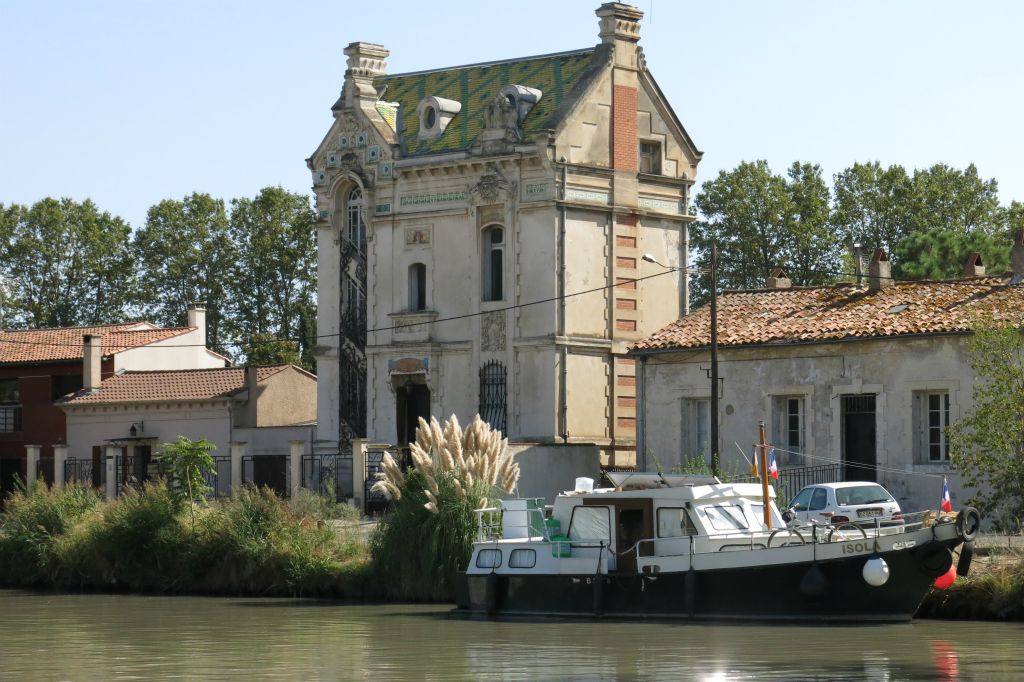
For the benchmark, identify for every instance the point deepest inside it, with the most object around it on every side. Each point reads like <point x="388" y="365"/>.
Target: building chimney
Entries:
<point x="197" y="318"/>
<point x="366" y="61"/>
<point x="778" y="279"/>
<point x="92" y="358"/>
<point x="879" y="271"/>
<point x="251" y="387"/>
<point x="974" y="267"/>
<point x="619" y="23"/>
<point x="1018" y="256"/>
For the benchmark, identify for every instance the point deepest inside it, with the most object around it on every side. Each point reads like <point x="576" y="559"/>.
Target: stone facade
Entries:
<point x="506" y="208"/>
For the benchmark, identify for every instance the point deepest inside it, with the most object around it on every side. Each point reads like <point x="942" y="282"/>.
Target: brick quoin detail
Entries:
<point x="625" y="219"/>
<point x="625" y="283"/>
<point x="628" y="423"/>
<point x="625" y="325"/>
<point x="626" y="362"/>
<point x="627" y="401"/>
<point x="624" y="141"/>
<point x="625" y="304"/>
<point x="625" y="380"/>
<point x="628" y="242"/>
<point x="625" y="262"/>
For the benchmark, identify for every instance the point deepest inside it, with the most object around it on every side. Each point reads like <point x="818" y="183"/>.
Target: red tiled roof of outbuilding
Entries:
<point x="843" y="311"/>
<point x="171" y="385"/>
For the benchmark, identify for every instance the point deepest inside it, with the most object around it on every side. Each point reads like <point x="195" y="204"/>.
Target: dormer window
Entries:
<point x="522" y="98"/>
<point x="435" y="113"/>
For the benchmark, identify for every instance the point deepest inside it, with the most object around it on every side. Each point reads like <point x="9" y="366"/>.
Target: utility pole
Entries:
<point x="714" y="359"/>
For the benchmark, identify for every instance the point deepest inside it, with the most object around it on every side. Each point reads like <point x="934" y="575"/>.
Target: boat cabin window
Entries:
<point x="674" y="522"/>
<point x="522" y="558"/>
<point x="488" y="558"/>
<point x="589" y="523"/>
<point x="726" y="517"/>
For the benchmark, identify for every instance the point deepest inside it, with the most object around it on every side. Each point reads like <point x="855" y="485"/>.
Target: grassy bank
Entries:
<point x="252" y="544"/>
<point x="994" y="589"/>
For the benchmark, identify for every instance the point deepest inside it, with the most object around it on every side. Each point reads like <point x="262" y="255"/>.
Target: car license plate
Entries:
<point x="869" y="512"/>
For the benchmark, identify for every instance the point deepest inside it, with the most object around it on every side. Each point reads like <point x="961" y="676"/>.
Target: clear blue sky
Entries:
<point x="128" y="103"/>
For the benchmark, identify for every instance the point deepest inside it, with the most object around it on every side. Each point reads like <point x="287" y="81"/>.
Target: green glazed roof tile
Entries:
<point x="475" y="86"/>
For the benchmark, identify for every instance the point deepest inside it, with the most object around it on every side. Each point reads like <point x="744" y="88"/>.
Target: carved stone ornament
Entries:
<point x="500" y="131"/>
<point x="490" y="186"/>
<point x="492" y="331"/>
<point x="348" y="122"/>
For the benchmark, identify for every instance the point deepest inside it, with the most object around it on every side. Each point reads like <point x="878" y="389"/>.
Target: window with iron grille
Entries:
<point x="356" y="224"/>
<point x="493" y="393"/>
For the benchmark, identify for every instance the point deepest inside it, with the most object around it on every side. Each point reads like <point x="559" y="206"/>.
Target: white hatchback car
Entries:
<point x="859" y="502"/>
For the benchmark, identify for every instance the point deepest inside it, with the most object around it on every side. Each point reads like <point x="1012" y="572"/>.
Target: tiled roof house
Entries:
<point x="450" y="197"/>
<point x="39" y="366"/>
<point x="132" y="413"/>
<point x="865" y="375"/>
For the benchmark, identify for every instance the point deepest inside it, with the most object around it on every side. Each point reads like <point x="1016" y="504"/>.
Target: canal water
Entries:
<point x="102" y="637"/>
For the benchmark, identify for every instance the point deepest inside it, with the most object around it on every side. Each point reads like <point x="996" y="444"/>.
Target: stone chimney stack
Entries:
<point x="92" y="359"/>
<point x="778" y="279"/>
<point x="974" y="267"/>
<point x="1018" y="256"/>
<point x="366" y="61"/>
<point x="620" y="23"/>
<point x="197" y="318"/>
<point x="879" y="271"/>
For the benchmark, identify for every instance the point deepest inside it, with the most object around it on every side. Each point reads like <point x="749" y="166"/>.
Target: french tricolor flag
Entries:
<point x="773" y="468"/>
<point x="946" y="505"/>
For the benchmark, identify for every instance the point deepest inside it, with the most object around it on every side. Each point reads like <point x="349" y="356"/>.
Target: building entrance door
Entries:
<point x="859" y="441"/>
<point x="412" y="401"/>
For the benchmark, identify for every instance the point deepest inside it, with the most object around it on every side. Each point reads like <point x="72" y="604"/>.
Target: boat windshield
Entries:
<point x="726" y="517"/>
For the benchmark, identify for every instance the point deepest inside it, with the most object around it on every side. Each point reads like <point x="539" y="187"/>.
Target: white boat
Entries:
<point x="696" y="548"/>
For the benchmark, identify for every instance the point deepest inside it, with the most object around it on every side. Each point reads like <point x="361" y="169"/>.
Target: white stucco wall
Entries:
<point x="185" y="351"/>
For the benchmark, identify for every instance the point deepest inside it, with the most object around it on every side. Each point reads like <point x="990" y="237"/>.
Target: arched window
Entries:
<point x="355" y="223"/>
<point x="493" y="263"/>
<point x="417" y="286"/>
<point x="493" y="394"/>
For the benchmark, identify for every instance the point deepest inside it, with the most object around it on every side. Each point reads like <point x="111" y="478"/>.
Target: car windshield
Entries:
<point x="862" y="494"/>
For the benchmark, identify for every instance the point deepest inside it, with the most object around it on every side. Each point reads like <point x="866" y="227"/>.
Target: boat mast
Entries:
<point x="763" y="454"/>
<point x="714" y="360"/>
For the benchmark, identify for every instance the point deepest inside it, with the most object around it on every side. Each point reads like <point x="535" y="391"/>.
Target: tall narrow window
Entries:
<point x="788" y="428"/>
<point x="697" y="421"/>
<point x="10" y="407"/>
<point x="931" y="418"/>
<point x="356" y="223"/>
<point x="493" y="263"/>
<point x="493" y="392"/>
<point x="417" y="286"/>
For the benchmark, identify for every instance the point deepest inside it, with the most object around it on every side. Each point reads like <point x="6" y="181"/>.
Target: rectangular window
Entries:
<point x="10" y="407"/>
<point x="650" y="157"/>
<point x="674" y="522"/>
<point x="931" y="417"/>
<point x="522" y="558"/>
<point x="697" y="427"/>
<point x="488" y="558"/>
<point x="726" y="517"/>
<point x="788" y="435"/>
<point x="589" y="523"/>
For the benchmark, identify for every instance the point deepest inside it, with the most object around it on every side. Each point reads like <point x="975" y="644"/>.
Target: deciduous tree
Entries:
<point x="987" y="444"/>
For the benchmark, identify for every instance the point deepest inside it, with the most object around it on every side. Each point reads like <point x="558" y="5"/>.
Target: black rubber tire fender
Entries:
<point x="968" y="521"/>
<point x="963" y="564"/>
<point x="934" y="560"/>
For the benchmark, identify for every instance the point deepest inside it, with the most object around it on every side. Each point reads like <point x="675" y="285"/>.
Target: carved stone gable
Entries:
<point x="500" y="130"/>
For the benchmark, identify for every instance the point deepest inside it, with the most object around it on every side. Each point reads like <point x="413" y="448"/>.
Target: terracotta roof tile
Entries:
<point x="170" y="385"/>
<point x="65" y="343"/>
<point x="843" y="311"/>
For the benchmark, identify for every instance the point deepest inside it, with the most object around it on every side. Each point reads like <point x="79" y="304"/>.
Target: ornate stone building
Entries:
<point x="480" y="241"/>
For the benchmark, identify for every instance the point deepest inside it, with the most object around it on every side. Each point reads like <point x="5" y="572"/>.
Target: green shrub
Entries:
<point x="31" y="526"/>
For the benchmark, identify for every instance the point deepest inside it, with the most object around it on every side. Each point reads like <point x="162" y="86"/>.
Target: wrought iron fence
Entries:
<point x="792" y="479"/>
<point x="328" y="475"/>
<point x="271" y="471"/>
<point x="375" y="501"/>
<point x="219" y="479"/>
<point x="85" y="471"/>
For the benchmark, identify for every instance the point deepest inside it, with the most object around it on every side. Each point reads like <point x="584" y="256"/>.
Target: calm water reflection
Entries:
<point x="98" y="637"/>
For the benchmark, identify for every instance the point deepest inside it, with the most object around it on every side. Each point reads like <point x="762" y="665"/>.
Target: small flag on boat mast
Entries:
<point x="773" y="468"/>
<point x="946" y="504"/>
<point x="753" y="462"/>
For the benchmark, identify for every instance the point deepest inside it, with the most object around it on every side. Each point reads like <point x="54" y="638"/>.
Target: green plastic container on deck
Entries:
<point x="554" y="527"/>
<point x="535" y="515"/>
<point x="560" y="546"/>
